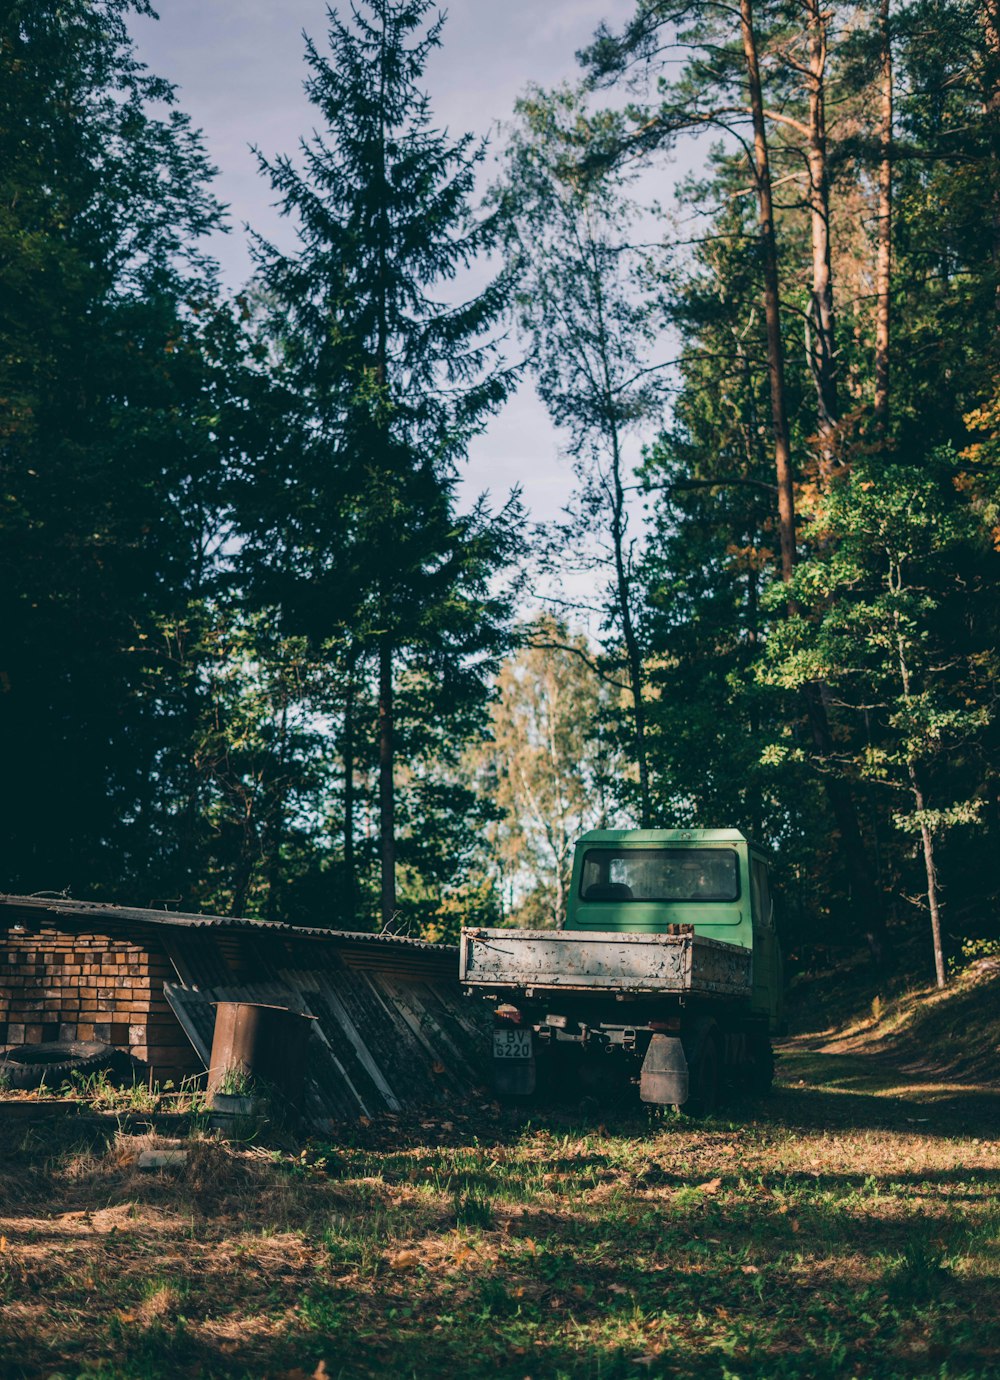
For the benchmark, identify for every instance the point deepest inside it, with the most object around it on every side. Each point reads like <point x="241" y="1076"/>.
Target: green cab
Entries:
<point x="713" y="880"/>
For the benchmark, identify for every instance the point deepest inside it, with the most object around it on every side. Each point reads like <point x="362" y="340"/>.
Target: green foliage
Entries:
<point x="971" y="951"/>
<point x="109" y="463"/>
<point x="893" y="616"/>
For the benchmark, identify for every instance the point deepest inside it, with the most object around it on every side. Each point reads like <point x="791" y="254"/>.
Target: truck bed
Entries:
<point x="534" y="961"/>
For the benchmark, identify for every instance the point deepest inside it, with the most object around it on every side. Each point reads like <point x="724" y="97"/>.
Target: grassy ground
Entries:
<point x="848" y="1226"/>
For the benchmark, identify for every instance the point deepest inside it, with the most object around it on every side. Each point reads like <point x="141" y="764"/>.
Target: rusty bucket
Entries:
<point x="264" y="1044"/>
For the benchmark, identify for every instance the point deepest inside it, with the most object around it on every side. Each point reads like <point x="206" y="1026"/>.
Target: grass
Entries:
<point x="847" y="1227"/>
<point x="110" y="1092"/>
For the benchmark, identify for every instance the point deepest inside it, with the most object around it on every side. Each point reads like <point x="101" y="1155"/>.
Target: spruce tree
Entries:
<point x="350" y="518"/>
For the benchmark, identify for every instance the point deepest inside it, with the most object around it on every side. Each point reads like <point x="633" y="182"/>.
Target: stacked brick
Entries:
<point x="57" y="985"/>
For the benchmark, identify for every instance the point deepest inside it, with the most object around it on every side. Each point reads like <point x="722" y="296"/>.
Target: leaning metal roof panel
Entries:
<point x="378" y="1041"/>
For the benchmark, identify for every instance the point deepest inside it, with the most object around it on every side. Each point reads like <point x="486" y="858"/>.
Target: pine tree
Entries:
<point x="350" y="520"/>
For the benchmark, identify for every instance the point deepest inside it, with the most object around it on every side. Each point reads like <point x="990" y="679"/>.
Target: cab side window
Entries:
<point x="761" y="894"/>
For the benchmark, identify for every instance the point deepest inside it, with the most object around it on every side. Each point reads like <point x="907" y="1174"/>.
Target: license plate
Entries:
<point x="512" y="1044"/>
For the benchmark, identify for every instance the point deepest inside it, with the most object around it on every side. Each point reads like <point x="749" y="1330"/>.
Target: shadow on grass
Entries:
<point x="661" y="1302"/>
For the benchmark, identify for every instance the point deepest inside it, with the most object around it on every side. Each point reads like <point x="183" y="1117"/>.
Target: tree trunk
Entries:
<point x="349" y="908"/>
<point x="623" y="583"/>
<point x="772" y="305"/>
<point x="932" y="886"/>
<point x="990" y="19"/>
<point x="632" y="649"/>
<point x="823" y="357"/>
<point x="248" y="858"/>
<point x="274" y="789"/>
<point x="386" y="792"/>
<point x="386" y="742"/>
<point x="883" y="262"/>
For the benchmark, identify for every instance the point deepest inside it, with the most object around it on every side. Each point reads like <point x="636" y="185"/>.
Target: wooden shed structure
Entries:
<point x="390" y="1027"/>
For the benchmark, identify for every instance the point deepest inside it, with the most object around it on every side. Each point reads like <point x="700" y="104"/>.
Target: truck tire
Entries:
<point x="28" y="1066"/>
<point x="705" y="1074"/>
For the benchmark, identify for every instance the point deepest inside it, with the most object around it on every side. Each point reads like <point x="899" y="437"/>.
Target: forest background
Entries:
<point x="260" y="655"/>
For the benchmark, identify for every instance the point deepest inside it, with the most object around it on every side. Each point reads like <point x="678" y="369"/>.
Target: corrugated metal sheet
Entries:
<point x="31" y="906"/>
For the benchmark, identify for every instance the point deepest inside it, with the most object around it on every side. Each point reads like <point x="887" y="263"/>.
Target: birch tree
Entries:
<point x="553" y="769"/>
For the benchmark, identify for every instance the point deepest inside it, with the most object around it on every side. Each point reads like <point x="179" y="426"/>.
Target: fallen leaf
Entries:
<point x="402" y="1260"/>
<point x="617" y="1289"/>
<point x="750" y="1269"/>
<point x="3" y="1243"/>
<point x="794" y="1225"/>
<point x="712" y="1186"/>
<point x="321" y="1372"/>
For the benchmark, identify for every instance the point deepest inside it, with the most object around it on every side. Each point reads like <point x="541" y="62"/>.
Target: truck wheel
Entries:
<point x="706" y="1076"/>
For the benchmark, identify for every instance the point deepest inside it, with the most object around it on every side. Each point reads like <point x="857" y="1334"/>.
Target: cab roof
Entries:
<point x="617" y="836"/>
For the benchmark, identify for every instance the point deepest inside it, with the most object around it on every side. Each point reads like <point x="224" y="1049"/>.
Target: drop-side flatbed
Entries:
<point x="532" y="962"/>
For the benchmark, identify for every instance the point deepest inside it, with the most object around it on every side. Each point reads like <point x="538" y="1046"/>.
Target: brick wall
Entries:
<point x="57" y="985"/>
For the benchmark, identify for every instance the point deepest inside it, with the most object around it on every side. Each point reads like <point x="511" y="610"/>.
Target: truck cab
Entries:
<point x="715" y="881"/>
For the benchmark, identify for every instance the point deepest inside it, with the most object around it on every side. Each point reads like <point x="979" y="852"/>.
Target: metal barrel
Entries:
<point x="265" y="1044"/>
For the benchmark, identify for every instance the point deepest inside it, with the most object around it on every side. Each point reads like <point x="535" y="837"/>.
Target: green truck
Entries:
<point x="666" y="973"/>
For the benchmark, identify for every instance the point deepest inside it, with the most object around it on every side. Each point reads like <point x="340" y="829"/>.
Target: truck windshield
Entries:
<point x="660" y="874"/>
